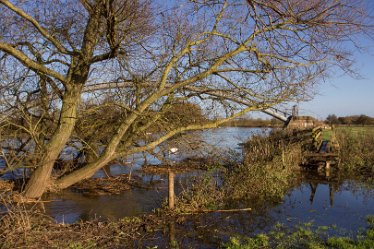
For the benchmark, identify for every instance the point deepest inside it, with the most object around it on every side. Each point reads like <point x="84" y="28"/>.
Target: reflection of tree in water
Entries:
<point x="76" y="206"/>
<point x="208" y="230"/>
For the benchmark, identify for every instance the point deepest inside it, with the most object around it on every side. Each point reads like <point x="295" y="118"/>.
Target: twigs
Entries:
<point x="217" y="211"/>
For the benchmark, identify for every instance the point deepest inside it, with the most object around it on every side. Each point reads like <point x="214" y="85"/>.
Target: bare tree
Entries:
<point x="68" y="68"/>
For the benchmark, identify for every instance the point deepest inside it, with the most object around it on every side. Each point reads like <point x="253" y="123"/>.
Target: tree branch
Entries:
<point x="30" y="63"/>
<point x="192" y="127"/>
<point x="35" y="23"/>
<point x="86" y="5"/>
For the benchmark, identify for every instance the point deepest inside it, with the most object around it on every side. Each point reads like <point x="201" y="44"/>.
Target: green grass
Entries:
<point x="305" y="236"/>
<point x="356" y="129"/>
<point x="356" y="150"/>
<point x="327" y="135"/>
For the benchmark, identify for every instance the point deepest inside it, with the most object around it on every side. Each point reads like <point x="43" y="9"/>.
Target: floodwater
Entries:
<point x="324" y="200"/>
<point x="69" y="207"/>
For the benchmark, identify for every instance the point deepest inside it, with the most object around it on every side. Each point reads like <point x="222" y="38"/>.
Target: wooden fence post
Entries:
<point x="171" y="190"/>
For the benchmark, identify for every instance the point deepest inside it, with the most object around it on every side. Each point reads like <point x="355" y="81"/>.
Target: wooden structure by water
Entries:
<point x="321" y="159"/>
<point x="318" y="150"/>
<point x="321" y="151"/>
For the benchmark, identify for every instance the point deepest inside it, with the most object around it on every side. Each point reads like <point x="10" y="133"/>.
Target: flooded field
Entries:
<point x="333" y="200"/>
<point x="71" y="206"/>
<point x="352" y="203"/>
<point x="342" y="203"/>
<point x="313" y="197"/>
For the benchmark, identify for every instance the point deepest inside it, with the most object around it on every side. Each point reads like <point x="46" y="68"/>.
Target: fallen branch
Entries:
<point x="217" y="211"/>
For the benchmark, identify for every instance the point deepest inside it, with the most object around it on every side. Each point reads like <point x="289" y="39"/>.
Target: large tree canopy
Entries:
<point x="101" y="73"/>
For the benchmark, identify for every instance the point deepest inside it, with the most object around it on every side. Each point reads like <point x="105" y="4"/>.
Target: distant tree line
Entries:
<point x="350" y="120"/>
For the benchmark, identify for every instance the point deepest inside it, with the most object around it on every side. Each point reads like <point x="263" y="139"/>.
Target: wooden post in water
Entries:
<point x="171" y="190"/>
<point x="327" y="168"/>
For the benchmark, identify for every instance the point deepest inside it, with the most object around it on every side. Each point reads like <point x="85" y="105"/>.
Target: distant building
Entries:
<point x="303" y="122"/>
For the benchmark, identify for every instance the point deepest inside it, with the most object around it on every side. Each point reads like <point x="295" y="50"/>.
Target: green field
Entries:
<point x="356" y="129"/>
<point x="327" y="135"/>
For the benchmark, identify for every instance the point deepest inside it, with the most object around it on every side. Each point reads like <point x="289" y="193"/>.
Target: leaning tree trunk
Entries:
<point x="108" y="155"/>
<point x="40" y="178"/>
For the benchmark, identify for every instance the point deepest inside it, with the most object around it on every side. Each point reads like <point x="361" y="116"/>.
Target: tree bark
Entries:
<point x="82" y="173"/>
<point x="40" y="178"/>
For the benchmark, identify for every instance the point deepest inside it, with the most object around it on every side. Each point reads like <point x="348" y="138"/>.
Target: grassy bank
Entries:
<point x="305" y="236"/>
<point x="267" y="173"/>
<point x="268" y="170"/>
<point x="356" y="149"/>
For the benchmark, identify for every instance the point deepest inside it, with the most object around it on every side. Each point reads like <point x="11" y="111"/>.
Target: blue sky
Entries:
<point x="343" y="95"/>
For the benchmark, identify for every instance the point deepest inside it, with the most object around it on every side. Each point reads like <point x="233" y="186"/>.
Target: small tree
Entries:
<point x="332" y="119"/>
<point x="362" y="120"/>
<point x="228" y="57"/>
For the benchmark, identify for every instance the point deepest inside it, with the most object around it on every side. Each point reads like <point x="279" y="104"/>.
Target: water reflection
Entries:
<point x="313" y="187"/>
<point x="327" y="201"/>
<point x="69" y="207"/>
<point x="324" y="201"/>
